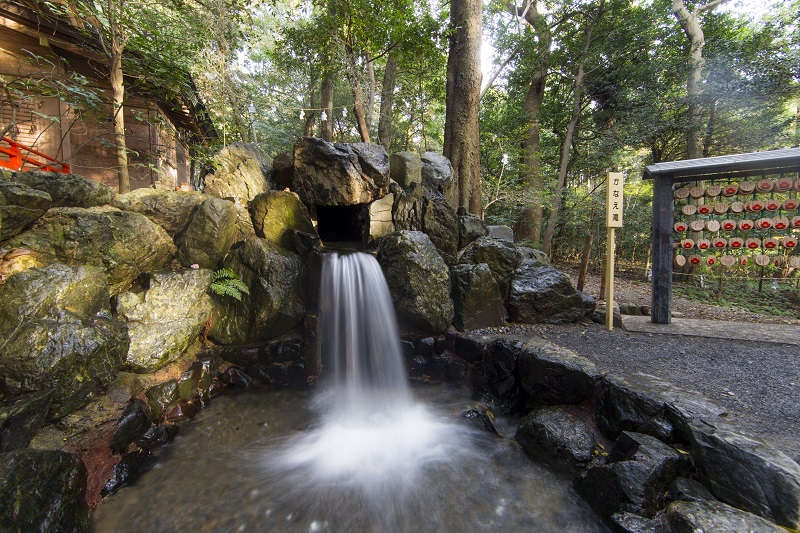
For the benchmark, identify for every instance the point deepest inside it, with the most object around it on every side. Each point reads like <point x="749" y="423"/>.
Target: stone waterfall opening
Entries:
<point x="342" y="223"/>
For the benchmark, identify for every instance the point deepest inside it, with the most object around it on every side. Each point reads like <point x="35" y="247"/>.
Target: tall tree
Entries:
<point x="461" y="130"/>
<point x="690" y="23"/>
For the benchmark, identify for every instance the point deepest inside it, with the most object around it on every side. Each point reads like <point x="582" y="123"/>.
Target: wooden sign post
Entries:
<point x="613" y="220"/>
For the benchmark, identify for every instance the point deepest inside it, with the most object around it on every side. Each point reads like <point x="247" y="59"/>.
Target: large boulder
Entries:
<point x="20" y="206"/>
<point x="541" y="293"/>
<point x="420" y="209"/>
<point x="406" y="168"/>
<point x="172" y="210"/>
<point x="635" y="479"/>
<point x="43" y="490"/>
<point x="501" y="256"/>
<point x="437" y="175"/>
<point x="276" y="302"/>
<point x="693" y="517"/>
<point x="470" y="228"/>
<point x="380" y="218"/>
<point x="746" y="472"/>
<point x="554" y="433"/>
<point x="328" y="173"/>
<point x="124" y="243"/>
<point x="55" y="334"/>
<point x="476" y="298"/>
<point x="418" y="280"/>
<point x="495" y="380"/>
<point x="67" y="190"/>
<point x="276" y="213"/>
<point x="209" y="235"/>
<point x="241" y="171"/>
<point x="553" y="375"/>
<point x="166" y="319"/>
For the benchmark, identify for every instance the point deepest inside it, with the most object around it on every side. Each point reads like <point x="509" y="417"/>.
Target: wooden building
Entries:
<point x="38" y="53"/>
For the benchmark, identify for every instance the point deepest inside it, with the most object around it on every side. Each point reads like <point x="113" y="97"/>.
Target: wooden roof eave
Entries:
<point x="722" y="167"/>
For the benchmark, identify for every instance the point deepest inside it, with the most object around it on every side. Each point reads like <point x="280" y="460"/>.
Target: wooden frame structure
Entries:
<point x="666" y="175"/>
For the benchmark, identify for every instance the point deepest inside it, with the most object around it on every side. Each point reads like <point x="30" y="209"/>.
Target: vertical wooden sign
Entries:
<point x="614" y="205"/>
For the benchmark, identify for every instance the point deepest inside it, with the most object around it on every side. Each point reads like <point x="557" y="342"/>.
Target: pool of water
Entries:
<point x="263" y="460"/>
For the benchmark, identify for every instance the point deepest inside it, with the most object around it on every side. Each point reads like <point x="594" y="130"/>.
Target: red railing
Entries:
<point x="17" y="161"/>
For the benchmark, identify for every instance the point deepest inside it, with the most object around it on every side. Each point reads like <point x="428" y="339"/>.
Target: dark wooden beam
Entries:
<point x="663" y="206"/>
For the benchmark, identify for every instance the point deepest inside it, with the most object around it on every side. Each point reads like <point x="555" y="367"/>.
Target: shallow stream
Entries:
<point x="262" y="460"/>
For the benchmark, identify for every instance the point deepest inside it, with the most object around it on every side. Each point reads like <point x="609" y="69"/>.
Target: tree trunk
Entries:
<point x="387" y="103"/>
<point x="326" y="103"/>
<point x="118" y="97"/>
<point x="529" y="222"/>
<point x="461" y="134"/>
<point x="370" y="95"/>
<point x="690" y="23"/>
<point x="555" y="210"/>
<point x="358" y="111"/>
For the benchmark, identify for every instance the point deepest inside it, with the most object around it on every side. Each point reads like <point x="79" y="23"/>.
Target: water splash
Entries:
<point x="371" y="436"/>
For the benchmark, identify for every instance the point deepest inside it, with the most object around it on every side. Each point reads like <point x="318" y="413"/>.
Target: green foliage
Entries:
<point x="227" y="283"/>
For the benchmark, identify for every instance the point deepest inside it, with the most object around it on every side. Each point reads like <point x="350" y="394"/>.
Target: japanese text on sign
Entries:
<point x="614" y="200"/>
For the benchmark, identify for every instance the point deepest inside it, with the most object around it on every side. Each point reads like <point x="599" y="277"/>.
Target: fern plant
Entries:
<point x="227" y="283"/>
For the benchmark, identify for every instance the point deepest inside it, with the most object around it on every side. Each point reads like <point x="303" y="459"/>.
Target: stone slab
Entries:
<point x="717" y="329"/>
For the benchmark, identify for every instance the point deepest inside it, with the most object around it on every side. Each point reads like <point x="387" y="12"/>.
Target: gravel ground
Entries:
<point x="757" y="382"/>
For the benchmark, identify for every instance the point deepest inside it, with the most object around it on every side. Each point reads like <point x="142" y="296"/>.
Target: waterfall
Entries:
<point x="360" y="339"/>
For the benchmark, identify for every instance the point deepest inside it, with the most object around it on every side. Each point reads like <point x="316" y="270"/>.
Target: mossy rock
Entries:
<point x="275" y="213"/>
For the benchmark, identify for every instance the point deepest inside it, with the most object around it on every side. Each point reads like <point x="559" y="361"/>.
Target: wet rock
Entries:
<point x="552" y="375"/>
<point x="276" y="302"/>
<point x="67" y="190"/>
<point x="209" y="235"/>
<point x="471" y="346"/>
<point x="172" y="210"/>
<point x="691" y="517"/>
<point x="418" y="279"/>
<point x="644" y="403"/>
<point x="476" y="298"/>
<point x="74" y="357"/>
<point x="437" y="175"/>
<point x="426" y="346"/>
<point x="162" y="398"/>
<point x="418" y="367"/>
<point x="555" y="433"/>
<point x="494" y="379"/>
<point x="501" y="233"/>
<point x="456" y="371"/>
<point x="185" y="410"/>
<point x="633" y="523"/>
<point x="540" y="293"/>
<point x="166" y="319"/>
<point x="20" y="206"/>
<point x="241" y="171"/>
<point x="635" y="479"/>
<point x="42" y="490"/>
<point x="122" y="243"/>
<point x="501" y="256"/>
<point x="157" y="436"/>
<point x="286" y="350"/>
<point x="240" y="355"/>
<point x="470" y="228"/>
<point x="406" y="168"/>
<point x="328" y="173"/>
<point x="21" y="417"/>
<point x="689" y="490"/>
<point x="419" y="209"/>
<point x="526" y="252"/>
<point x="133" y="423"/>
<point x="275" y="213"/>
<point x="479" y="418"/>
<point x="189" y="382"/>
<point x="236" y="376"/>
<point x="127" y="470"/>
<point x="746" y="472"/>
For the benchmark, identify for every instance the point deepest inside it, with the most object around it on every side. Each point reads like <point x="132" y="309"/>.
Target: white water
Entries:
<point x="371" y="436"/>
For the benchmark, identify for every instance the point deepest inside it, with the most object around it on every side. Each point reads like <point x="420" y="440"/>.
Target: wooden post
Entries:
<point x="662" y="250"/>
<point x="610" y="278"/>
<point x="587" y="249"/>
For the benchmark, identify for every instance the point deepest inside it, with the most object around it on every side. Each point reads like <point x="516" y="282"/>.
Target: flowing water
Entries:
<point x="364" y="453"/>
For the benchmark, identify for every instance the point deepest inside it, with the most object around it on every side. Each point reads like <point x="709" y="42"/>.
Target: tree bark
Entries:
<point x="326" y="103"/>
<point x="370" y="95"/>
<point x="461" y="134"/>
<point x="555" y="210"/>
<point x="690" y="23"/>
<point x="118" y="97"/>
<point x="529" y="223"/>
<point x="387" y="103"/>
